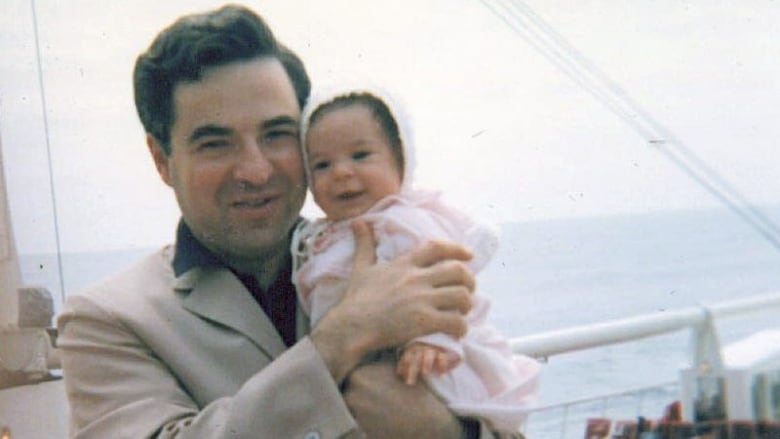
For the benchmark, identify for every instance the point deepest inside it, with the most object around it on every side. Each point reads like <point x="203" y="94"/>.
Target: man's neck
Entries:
<point x="265" y="268"/>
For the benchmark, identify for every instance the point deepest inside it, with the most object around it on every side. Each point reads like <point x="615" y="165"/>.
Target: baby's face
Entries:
<point x="350" y="162"/>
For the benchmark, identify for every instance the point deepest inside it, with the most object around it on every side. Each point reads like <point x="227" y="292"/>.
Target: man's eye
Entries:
<point x="214" y="144"/>
<point x="273" y="135"/>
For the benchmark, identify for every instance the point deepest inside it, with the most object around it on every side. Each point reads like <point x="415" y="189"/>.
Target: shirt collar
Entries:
<point x="190" y="253"/>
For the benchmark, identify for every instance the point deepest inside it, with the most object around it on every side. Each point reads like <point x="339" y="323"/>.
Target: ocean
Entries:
<point x="556" y="274"/>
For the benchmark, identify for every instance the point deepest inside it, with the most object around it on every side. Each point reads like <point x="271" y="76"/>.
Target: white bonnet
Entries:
<point x="323" y="95"/>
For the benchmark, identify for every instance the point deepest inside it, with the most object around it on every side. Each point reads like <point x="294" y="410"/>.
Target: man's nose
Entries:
<point x="252" y="164"/>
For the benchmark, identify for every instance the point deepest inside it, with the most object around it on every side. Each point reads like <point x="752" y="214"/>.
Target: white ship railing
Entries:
<point x="547" y="344"/>
<point x="568" y="340"/>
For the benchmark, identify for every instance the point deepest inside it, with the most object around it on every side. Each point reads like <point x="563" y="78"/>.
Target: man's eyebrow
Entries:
<point x="219" y="130"/>
<point x="280" y="121"/>
<point x="208" y="130"/>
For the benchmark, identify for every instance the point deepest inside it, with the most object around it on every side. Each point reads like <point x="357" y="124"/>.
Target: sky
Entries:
<point x="502" y="131"/>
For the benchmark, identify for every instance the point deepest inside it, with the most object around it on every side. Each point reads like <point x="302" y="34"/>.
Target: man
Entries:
<point x="205" y="339"/>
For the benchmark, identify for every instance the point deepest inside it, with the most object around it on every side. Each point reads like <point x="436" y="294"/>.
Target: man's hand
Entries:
<point x="425" y="291"/>
<point x="384" y="407"/>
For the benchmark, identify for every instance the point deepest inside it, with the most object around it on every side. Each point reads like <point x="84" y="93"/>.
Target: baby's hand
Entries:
<point x="421" y="358"/>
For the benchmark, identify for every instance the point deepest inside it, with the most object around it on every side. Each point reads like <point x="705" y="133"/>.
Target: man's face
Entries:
<point x="235" y="163"/>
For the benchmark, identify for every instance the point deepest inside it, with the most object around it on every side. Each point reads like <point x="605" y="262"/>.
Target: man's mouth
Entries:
<point x="253" y="203"/>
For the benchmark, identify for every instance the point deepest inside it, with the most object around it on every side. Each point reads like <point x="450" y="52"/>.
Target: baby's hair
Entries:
<point x="379" y="110"/>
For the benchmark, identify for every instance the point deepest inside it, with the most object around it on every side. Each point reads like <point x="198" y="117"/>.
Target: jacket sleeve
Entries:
<point x="117" y="387"/>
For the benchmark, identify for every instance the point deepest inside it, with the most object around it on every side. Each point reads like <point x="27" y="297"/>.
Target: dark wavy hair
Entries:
<point x="181" y="53"/>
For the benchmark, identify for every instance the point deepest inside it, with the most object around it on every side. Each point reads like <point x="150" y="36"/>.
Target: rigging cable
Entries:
<point x="663" y="133"/>
<point x="545" y="40"/>
<point x="48" y="152"/>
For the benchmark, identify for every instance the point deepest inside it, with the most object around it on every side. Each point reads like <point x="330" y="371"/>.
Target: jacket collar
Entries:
<point x="211" y="290"/>
<point x="216" y="294"/>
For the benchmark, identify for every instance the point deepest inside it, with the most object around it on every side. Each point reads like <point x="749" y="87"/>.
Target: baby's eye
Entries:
<point x="360" y="155"/>
<point x="319" y="166"/>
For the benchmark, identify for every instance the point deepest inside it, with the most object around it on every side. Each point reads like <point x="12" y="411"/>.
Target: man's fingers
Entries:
<point x="448" y="322"/>
<point x="451" y="273"/>
<point x="365" y="245"/>
<point x="453" y="298"/>
<point x="436" y="251"/>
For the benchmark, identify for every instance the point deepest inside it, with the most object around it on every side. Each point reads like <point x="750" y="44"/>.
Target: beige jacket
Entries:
<point x="146" y="354"/>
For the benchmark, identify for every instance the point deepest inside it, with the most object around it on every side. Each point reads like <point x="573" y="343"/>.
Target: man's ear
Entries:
<point x="160" y="158"/>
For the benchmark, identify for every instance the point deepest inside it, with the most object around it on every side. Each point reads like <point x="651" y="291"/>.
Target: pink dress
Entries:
<point x="490" y="382"/>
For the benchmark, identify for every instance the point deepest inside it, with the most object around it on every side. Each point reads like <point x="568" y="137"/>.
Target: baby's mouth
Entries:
<point x="351" y="195"/>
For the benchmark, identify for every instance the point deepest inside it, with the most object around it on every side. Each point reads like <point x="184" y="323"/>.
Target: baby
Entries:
<point x="358" y="159"/>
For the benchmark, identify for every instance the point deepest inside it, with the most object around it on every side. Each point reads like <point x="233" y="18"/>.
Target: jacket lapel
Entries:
<point x="217" y="295"/>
